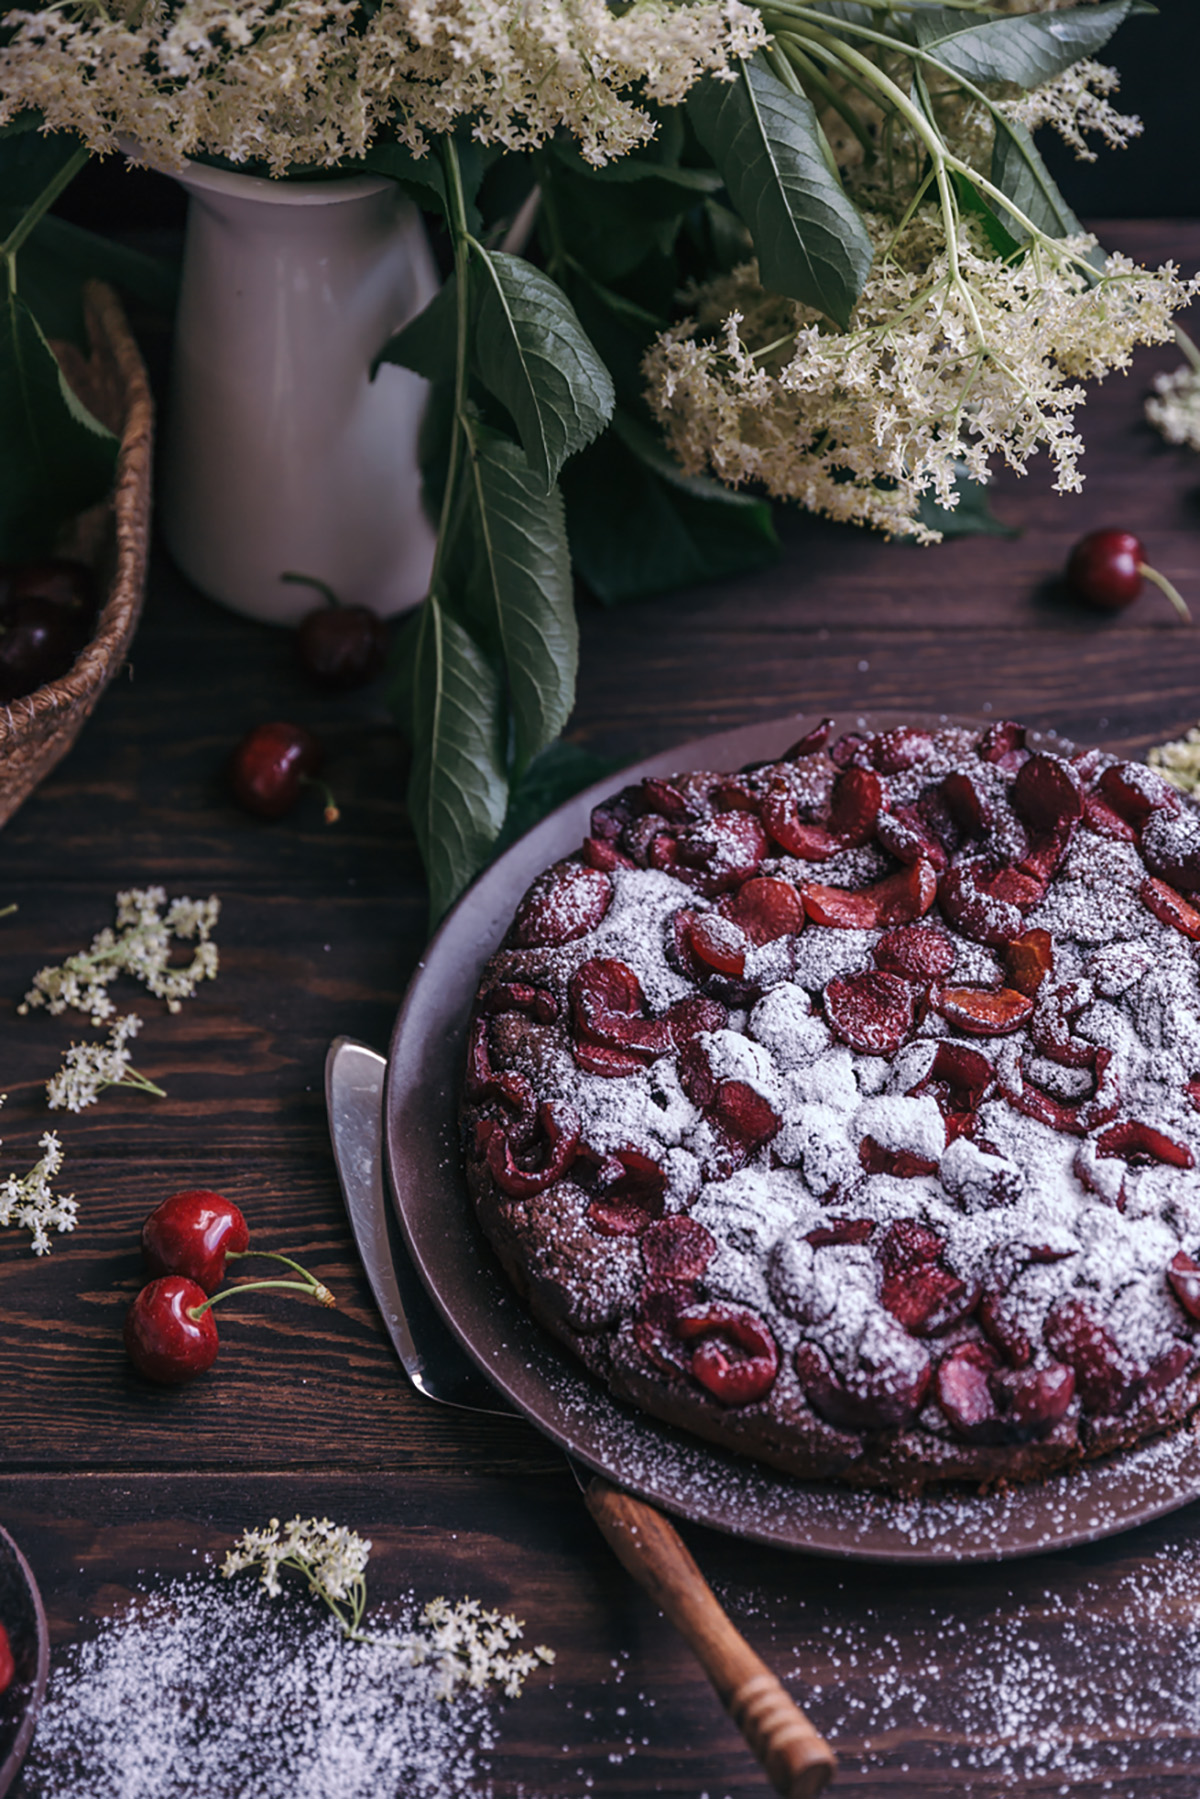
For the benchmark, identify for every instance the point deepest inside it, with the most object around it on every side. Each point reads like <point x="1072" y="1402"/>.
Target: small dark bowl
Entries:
<point x="24" y="1618"/>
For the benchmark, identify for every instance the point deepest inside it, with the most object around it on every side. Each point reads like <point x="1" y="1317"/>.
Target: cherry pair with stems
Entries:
<point x="170" y="1333"/>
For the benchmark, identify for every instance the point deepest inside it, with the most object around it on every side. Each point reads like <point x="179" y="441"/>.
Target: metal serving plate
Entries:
<point x="683" y="1474"/>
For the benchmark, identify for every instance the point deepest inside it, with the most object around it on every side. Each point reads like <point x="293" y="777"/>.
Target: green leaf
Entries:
<point x="531" y="352"/>
<point x="557" y="775"/>
<point x="55" y="458"/>
<point x="811" y="243"/>
<point x="639" y="526"/>
<point x="525" y="572"/>
<point x="457" y="790"/>
<point x="1027" y="49"/>
<point x="1018" y="171"/>
<point x="972" y="517"/>
<point x="427" y="344"/>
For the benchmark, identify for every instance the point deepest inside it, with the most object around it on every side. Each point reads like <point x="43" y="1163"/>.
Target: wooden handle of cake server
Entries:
<point x="797" y="1759"/>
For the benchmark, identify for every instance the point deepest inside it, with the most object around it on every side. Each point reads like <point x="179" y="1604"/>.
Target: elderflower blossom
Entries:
<point x="936" y="374"/>
<point x="463" y="1643"/>
<point x="1179" y="761"/>
<point x="88" y="1068"/>
<point x="28" y="1200"/>
<point x="311" y="82"/>
<point x="472" y="1647"/>
<point x="331" y="1558"/>
<point x="1076" y="102"/>
<point x="1174" y="406"/>
<point x="139" y="946"/>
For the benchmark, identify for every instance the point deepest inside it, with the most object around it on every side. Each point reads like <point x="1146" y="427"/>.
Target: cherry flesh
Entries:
<point x="1106" y="569"/>
<point x="191" y="1234"/>
<point x="170" y="1333"/>
<point x="8" y="1665"/>
<point x="270" y="766"/>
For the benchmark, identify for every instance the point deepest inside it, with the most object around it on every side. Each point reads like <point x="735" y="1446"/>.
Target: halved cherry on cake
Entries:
<point x="760" y="912"/>
<point x="566" y="902"/>
<point x="735" y="1356"/>
<point x="917" y="1288"/>
<point x="872" y="1013"/>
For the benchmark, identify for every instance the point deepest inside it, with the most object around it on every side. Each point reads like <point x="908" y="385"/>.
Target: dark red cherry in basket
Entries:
<point x="340" y="646"/>
<point x="170" y="1333"/>
<point x="191" y="1234"/>
<point x="69" y="585"/>
<point x="270" y="766"/>
<point x="1107" y="568"/>
<point x="38" y="643"/>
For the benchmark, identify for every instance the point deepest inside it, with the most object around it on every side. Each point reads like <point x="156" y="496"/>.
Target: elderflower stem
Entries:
<point x="809" y="25"/>
<point x="1181" y="338"/>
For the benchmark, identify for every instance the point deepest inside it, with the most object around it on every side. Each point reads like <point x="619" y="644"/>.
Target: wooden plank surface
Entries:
<point x="102" y="1477"/>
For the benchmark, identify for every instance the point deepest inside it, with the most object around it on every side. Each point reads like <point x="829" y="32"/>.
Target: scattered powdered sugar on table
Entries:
<point x="199" y="1688"/>
<point x="1092" y="1681"/>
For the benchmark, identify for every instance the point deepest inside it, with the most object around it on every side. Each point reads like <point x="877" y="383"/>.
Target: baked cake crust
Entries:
<point x="844" y="1110"/>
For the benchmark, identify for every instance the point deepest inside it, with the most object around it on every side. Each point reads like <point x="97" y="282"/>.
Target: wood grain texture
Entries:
<point x="101" y="1477"/>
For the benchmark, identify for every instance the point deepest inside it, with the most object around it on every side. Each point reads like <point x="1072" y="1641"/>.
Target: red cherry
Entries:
<point x="270" y="766"/>
<point x="339" y="646"/>
<point x="1107" y="568"/>
<point x="38" y="643"/>
<point x="342" y="647"/>
<point x="8" y="1666"/>
<point x="170" y="1333"/>
<point x="191" y="1234"/>
<point x="71" y="586"/>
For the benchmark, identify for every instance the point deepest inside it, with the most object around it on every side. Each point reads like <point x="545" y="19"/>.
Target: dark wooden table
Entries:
<point x="107" y="1483"/>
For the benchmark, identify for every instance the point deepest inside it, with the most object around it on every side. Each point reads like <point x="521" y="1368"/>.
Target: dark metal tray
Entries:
<point x="683" y="1474"/>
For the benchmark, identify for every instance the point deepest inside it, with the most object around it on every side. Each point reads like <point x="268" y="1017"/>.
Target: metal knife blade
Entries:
<point x="433" y="1361"/>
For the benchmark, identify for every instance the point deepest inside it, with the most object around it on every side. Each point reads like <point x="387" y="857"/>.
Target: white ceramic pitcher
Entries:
<point x="281" y="454"/>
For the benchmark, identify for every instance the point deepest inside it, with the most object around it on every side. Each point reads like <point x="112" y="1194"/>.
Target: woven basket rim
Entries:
<point x="109" y="335"/>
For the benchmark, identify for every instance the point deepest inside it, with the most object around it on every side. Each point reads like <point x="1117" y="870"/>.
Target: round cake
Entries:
<point x="845" y="1109"/>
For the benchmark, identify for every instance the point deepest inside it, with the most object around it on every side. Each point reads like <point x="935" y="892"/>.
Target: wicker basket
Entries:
<point x="38" y="730"/>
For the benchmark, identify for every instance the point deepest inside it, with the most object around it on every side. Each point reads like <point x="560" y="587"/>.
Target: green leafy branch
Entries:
<point x="492" y="668"/>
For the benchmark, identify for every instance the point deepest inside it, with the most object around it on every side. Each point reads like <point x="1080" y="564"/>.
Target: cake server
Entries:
<point x="795" y="1757"/>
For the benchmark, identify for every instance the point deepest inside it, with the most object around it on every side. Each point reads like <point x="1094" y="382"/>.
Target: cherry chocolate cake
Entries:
<point x="845" y="1110"/>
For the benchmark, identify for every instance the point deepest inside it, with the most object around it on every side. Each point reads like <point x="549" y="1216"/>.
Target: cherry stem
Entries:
<point x="314" y="1288"/>
<point x="1172" y="592"/>
<point x="6" y="910"/>
<point x="323" y="588"/>
<point x="237" y="1255"/>
<point x="332" y="814"/>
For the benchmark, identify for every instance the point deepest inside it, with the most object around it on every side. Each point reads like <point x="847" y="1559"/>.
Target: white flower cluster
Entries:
<point x="29" y="1201"/>
<point x="1074" y="103"/>
<point x="942" y="368"/>
<point x="310" y="82"/>
<point x="87" y="1068"/>
<point x="466" y="1645"/>
<point x="473" y="1647"/>
<point x="331" y="1558"/>
<point x="1179" y="761"/>
<point x="1174" y="406"/>
<point x="140" y="946"/>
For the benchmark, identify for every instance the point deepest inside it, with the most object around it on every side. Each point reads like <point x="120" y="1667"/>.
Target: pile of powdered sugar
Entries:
<point x="201" y="1688"/>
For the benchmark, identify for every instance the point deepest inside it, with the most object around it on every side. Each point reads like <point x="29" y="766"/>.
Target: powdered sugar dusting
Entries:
<point x="197" y="1688"/>
<point x="1074" y="1176"/>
